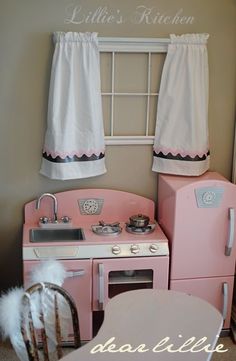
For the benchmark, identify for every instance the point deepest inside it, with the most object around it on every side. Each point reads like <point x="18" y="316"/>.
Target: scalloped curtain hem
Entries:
<point x="182" y="153"/>
<point x="71" y="154"/>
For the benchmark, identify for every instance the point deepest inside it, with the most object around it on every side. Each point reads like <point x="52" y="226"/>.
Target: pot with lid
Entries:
<point x="139" y="220"/>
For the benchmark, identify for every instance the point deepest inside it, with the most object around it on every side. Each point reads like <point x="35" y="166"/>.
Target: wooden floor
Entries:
<point x="230" y="355"/>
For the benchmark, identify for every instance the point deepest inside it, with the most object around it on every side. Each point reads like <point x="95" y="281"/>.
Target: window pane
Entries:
<point x="130" y="115"/>
<point x="106" y="108"/>
<point x="105" y="66"/>
<point x="130" y="76"/>
<point x="157" y="62"/>
<point x="152" y="115"/>
<point x="131" y="72"/>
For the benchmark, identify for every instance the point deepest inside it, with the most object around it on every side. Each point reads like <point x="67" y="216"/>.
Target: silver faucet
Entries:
<point x="54" y="204"/>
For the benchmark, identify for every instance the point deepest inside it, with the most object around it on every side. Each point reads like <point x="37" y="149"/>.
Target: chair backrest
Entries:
<point x="35" y="338"/>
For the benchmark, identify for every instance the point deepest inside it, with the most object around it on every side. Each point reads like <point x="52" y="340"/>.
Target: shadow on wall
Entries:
<point x="11" y="268"/>
<point x="25" y="98"/>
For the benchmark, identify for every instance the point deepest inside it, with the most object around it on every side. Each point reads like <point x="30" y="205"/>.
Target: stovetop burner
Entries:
<point x="113" y="229"/>
<point x="107" y="229"/>
<point x="140" y="230"/>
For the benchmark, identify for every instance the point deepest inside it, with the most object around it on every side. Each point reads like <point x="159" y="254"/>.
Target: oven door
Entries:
<point x="114" y="276"/>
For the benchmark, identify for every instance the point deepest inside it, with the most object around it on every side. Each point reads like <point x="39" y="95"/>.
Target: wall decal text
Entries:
<point x="76" y="14"/>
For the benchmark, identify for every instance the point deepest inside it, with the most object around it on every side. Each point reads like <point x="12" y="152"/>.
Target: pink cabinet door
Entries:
<point x="114" y="276"/>
<point x="218" y="291"/>
<point x="203" y="237"/>
<point x="79" y="285"/>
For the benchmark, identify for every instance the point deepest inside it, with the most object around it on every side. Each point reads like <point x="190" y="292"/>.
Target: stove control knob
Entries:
<point x="116" y="249"/>
<point x="153" y="248"/>
<point x="134" y="248"/>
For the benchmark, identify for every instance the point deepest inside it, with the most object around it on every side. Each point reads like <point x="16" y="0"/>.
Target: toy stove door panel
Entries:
<point x="114" y="276"/>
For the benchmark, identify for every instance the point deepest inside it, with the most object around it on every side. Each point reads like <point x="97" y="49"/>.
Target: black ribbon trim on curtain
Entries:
<point x="74" y="158"/>
<point x="197" y="158"/>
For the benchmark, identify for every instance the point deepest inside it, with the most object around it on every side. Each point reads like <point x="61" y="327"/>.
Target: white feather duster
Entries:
<point x="10" y="307"/>
<point x="10" y="320"/>
<point x="49" y="271"/>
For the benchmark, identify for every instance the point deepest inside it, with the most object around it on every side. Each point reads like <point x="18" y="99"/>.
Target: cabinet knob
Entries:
<point x="116" y="249"/>
<point x="65" y="219"/>
<point x="153" y="248"/>
<point x="134" y="248"/>
<point x="44" y="220"/>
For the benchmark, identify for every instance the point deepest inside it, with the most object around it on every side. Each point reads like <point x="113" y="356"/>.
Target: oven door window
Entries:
<point x="127" y="280"/>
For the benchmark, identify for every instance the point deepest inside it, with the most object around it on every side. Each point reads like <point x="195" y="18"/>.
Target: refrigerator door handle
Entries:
<point x="225" y="292"/>
<point x="101" y="286"/>
<point x="230" y="241"/>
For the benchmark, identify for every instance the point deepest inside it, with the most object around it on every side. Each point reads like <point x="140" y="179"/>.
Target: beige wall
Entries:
<point x="26" y="52"/>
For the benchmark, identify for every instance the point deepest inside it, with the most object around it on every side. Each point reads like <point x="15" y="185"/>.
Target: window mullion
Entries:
<point x="112" y="92"/>
<point x="130" y="94"/>
<point x="148" y="92"/>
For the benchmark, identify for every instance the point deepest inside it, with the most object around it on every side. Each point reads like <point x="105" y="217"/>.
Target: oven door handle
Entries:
<point x="75" y="273"/>
<point x="100" y="286"/>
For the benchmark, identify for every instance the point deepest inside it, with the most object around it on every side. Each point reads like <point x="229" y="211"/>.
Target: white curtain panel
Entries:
<point x="74" y="142"/>
<point x="181" y="139"/>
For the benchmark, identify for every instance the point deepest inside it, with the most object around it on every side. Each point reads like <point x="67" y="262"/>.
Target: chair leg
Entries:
<point x="43" y="332"/>
<point x="58" y="329"/>
<point x="30" y="344"/>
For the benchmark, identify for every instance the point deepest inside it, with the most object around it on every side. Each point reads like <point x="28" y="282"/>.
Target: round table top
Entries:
<point x="154" y="325"/>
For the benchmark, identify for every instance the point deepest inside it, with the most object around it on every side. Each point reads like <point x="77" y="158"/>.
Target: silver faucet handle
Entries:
<point x="65" y="219"/>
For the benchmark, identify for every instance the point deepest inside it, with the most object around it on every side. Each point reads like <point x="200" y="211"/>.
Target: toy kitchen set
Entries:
<point x="109" y="242"/>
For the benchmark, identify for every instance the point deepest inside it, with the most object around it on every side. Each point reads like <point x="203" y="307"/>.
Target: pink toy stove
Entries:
<point x="104" y="253"/>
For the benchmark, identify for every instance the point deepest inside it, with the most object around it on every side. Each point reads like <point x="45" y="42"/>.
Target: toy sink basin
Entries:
<point x="56" y="235"/>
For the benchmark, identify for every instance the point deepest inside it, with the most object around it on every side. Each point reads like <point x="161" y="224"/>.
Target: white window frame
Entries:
<point x="131" y="45"/>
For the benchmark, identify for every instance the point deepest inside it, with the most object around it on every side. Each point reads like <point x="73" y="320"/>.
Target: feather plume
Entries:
<point x="10" y="307"/>
<point x="10" y="320"/>
<point x="49" y="271"/>
<point x="9" y="311"/>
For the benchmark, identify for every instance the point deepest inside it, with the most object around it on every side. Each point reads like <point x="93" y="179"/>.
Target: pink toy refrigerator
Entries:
<point x="198" y="216"/>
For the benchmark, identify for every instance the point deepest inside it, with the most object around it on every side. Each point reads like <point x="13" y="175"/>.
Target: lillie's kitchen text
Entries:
<point x="76" y="14"/>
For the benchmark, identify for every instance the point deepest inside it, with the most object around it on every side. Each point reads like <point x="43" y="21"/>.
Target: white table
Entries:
<point x="147" y="317"/>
